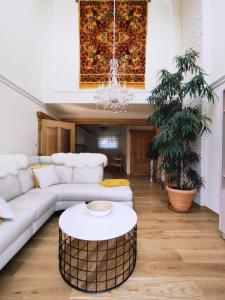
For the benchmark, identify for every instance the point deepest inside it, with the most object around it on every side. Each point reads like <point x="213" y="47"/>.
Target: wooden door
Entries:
<point x="55" y="137"/>
<point x="139" y="162"/>
<point x="67" y="137"/>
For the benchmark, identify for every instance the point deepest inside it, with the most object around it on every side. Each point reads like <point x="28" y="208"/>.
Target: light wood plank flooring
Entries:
<point x="180" y="256"/>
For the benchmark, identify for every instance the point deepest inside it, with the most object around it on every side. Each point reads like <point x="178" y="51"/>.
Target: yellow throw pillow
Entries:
<point x="114" y="182"/>
<point x="1" y="221"/>
<point x="36" y="183"/>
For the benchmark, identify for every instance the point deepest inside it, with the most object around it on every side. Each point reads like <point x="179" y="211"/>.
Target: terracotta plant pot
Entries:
<point x="180" y="200"/>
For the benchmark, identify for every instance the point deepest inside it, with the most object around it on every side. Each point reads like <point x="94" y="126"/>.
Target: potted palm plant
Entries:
<point x="181" y="123"/>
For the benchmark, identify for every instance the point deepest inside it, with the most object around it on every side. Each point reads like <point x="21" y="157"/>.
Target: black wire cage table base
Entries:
<point x="97" y="266"/>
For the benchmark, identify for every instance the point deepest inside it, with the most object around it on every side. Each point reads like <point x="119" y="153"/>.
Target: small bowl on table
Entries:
<point x="99" y="208"/>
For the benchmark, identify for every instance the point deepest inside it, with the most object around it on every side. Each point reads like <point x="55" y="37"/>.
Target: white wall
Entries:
<point x="203" y="29"/>
<point x="214" y="176"/>
<point x="21" y="54"/>
<point x="21" y="43"/>
<point x="216" y="68"/>
<point x="216" y="40"/>
<point x="192" y="29"/>
<point x="39" y="49"/>
<point x="62" y="58"/>
<point x="192" y="37"/>
<point x="18" y="122"/>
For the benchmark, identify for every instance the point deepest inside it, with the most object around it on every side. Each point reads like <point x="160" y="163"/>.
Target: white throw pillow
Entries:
<point x="46" y="176"/>
<point x="6" y="211"/>
<point x="26" y="180"/>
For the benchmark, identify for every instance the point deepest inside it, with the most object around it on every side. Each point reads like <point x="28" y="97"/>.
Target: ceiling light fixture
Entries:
<point x="113" y="97"/>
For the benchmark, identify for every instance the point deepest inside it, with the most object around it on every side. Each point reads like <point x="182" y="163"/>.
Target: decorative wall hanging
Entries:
<point x="113" y="97"/>
<point x="96" y="26"/>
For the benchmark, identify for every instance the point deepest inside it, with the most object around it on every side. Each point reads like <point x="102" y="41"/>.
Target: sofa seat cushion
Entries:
<point x="38" y="202"/>
<point x="75" y="192"/>
<point x="90" y="192"/>
<point x="10" y="230"/>
<point x="119" y="193"/>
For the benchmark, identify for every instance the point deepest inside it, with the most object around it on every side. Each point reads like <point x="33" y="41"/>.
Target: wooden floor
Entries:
<point x="180" y="256"/>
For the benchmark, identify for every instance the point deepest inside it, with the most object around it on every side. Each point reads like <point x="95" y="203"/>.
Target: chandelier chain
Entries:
<point x="114" y="29"/>
<point x="113" y="97"/>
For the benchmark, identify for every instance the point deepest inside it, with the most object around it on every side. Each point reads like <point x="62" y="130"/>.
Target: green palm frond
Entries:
<point x="181" y="125"/>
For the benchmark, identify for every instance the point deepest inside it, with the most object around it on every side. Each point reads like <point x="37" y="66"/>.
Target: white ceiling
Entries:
<point x="79" y="111"/>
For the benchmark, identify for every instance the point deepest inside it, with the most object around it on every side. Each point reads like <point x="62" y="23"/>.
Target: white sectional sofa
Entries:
<point x="79" y="177"/>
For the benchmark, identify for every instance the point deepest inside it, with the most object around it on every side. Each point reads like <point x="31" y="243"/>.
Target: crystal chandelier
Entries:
<point x="113" y="97"/>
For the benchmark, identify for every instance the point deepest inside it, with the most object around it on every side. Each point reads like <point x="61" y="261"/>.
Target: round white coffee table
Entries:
<point x="97" y="254"/>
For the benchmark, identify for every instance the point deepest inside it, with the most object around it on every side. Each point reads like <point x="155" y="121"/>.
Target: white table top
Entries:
<point x="77" y="222"/>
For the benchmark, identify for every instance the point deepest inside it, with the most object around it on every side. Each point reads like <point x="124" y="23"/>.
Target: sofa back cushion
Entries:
<point x="46" y="160"/>
<point x="10" y="187"/>
<point x="87" y="175"/>
<point x="64" y="174"/>
<point x="34" y="160"/>
<point x="26" y="180"/>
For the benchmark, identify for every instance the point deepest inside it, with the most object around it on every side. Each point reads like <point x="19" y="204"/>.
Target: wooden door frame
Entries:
<point x="67" y="126"/>
<point x="44" y="123"/>
<point x="101" y="121"/>
<point x="42" y="130"/>
<point x="41" y="116"/>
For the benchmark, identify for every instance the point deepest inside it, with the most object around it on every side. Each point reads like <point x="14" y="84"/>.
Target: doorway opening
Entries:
<point x="124" y="145"/>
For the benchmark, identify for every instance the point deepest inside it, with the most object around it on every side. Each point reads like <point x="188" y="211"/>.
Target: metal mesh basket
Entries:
<point x="97" y="266"/>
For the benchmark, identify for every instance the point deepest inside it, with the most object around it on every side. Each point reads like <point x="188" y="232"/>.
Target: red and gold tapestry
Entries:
<point x="96" y="23"/>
